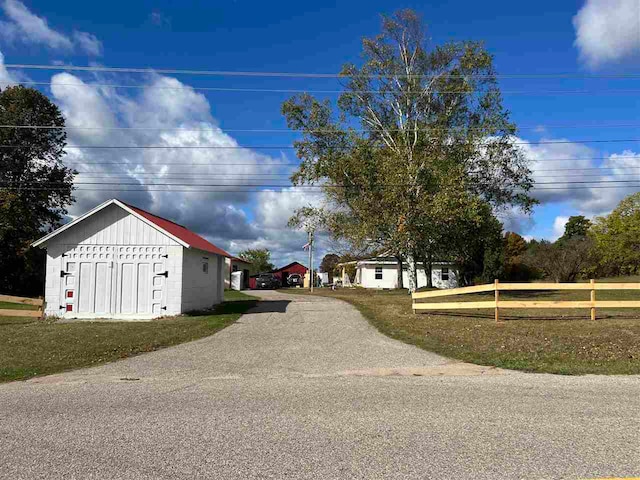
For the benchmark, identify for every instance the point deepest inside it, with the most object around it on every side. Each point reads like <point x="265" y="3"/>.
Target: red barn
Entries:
<point x="282" y="273"/>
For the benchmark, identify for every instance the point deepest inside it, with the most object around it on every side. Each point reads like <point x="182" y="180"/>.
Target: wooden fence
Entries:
<point x="592" y="304"/>
<point x="21" y="313"/>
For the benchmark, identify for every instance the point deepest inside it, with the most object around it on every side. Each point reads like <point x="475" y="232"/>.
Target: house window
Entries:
<point x="378" y="273"/>
<point x="444" y="274"/>
<point x="205" y="267"/>
<point x="234" y="268"/>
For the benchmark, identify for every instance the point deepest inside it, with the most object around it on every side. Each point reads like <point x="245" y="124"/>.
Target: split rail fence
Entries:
<point x="497" y="304"/>
<point x="38" y="302"/>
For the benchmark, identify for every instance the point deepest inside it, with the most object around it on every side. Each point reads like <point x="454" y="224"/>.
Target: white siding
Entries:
<point x="202" y="290"/>
<point x="114" y="282"/>
<point x="368" y="276"/>
<point x="229" y="264"/>
<point x="104" y="247"/>
<point x="390" y="276"/>
<point x="112" y="226"/>
<point x="52" y="287"/>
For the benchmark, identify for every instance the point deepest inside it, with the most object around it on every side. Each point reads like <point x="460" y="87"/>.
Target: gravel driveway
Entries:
<point x="304" y="387"/>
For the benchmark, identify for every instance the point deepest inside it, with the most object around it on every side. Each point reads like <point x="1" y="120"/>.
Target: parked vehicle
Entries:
<point x="267" y="281"/>
<point x="295" y="280"/>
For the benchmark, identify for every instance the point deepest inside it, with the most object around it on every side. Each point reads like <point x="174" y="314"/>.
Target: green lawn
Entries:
<point x="30" y="347"/>
<point x="551" y="341"/>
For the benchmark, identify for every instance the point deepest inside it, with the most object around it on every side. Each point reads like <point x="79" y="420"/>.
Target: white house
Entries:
<point x="236" y="264"/>
<point x="382" y="272"/>
<point x="119" y="261"/>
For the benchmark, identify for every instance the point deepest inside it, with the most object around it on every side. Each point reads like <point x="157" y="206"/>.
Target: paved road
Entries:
<point x="305" y="388"/>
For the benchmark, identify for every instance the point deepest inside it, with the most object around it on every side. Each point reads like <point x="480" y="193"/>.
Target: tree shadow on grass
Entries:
<point x="244" y="306"/>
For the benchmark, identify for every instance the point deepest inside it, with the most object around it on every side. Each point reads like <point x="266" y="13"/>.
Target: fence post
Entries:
<point x="593" y="299"/>
<point x="497" y="294"/>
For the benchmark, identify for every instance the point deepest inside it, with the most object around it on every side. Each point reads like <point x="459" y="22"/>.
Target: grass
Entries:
<point x="31" y="347"/>
<point x="545" y="341"/>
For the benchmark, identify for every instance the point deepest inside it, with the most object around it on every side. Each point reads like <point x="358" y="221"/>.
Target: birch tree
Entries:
<point x="418" y="140"/>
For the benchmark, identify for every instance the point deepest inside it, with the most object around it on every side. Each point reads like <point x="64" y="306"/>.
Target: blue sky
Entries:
<point x="593" y="37"/>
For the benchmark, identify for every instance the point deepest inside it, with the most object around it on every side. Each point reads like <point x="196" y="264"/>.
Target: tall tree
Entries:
<point x="420" y="142"/>
<point x="329" y="263"/>
<point x="576" y="226"/>
<point x="617" y="237"/>
<point x="260" y="259"/>
<point x="35" y="186"/>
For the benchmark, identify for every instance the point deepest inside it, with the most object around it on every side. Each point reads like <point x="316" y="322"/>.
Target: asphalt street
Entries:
<point x="304" y="387"/>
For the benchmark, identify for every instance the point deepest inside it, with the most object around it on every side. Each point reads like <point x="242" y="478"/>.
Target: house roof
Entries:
<point x="238" y="259"/>
<point x="180" y="234"/>
<point x="288" y="266"/>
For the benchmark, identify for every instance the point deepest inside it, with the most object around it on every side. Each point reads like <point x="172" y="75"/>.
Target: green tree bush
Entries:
<point x="35" y="186"/>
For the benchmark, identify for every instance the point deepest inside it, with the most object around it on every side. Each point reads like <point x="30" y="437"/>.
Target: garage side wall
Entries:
<point x="202" y="279"/>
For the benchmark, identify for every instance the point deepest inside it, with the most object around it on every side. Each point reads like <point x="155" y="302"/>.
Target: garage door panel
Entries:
<point x="127" y="283"/>
<point x="85" y="288"/>
<point x="103" y="287"/>
<point x="144" y="288"/>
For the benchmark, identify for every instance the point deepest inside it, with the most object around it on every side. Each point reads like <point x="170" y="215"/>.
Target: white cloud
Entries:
<point x="607" y="30"/>
<point x="26" y="27"/>
<point x="618" y="168"/>
<point x="569" y="173"/>
<point x="5" y="77"/>
<point x="169" y="113"/>
<point x="88" y="42"/>
<point x="558" y="227"/>
<point x="554" y="167"/>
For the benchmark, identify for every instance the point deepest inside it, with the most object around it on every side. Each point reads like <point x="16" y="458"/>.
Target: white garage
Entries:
<point x="119" y="261"/>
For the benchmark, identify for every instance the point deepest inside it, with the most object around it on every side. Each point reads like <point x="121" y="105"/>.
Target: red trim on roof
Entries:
<point x="190" y="238"/>
<point x="288" y="266"/>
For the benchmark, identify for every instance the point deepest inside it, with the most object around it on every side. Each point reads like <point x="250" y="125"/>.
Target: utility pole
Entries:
<point x="311" y="261"/>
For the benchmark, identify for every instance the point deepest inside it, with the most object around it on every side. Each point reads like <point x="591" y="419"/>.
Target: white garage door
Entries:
<point x="109" y="280"/>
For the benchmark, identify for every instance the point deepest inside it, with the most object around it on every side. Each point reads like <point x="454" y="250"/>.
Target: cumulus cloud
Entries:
<point x="619" y="169"/>
<point x="168" y="113"/>
<point x="558" y="227"/>
<point x="6" y="79"/>
<point x="554" y="167"/>
<point x="607" y="31"/>
<point x="273" y="210"/>
<point x="23" y="26"/>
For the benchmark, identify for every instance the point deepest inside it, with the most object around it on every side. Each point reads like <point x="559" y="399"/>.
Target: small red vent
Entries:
<point x="69" y="307"/>
<point x="69" y="293"/>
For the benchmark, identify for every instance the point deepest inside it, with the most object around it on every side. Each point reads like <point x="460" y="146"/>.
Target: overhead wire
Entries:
<point x="316" y="91"/>
<point x="236" y="73"/>
<point x="289" y="147"/>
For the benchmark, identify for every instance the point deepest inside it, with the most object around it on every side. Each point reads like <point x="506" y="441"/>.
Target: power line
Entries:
<point x="294" y="164"/>
<point x="160" y="176"/>
<point x="271" y="190"/>
<point x="230" y="73"/>
<point x="267" y="185"/>
<point x="287" y="130"/>
<point x="315" y="91"/>
<point x="290" y="147"/>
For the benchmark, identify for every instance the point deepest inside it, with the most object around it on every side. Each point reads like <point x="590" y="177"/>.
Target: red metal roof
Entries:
<point x="190" y="238"/>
